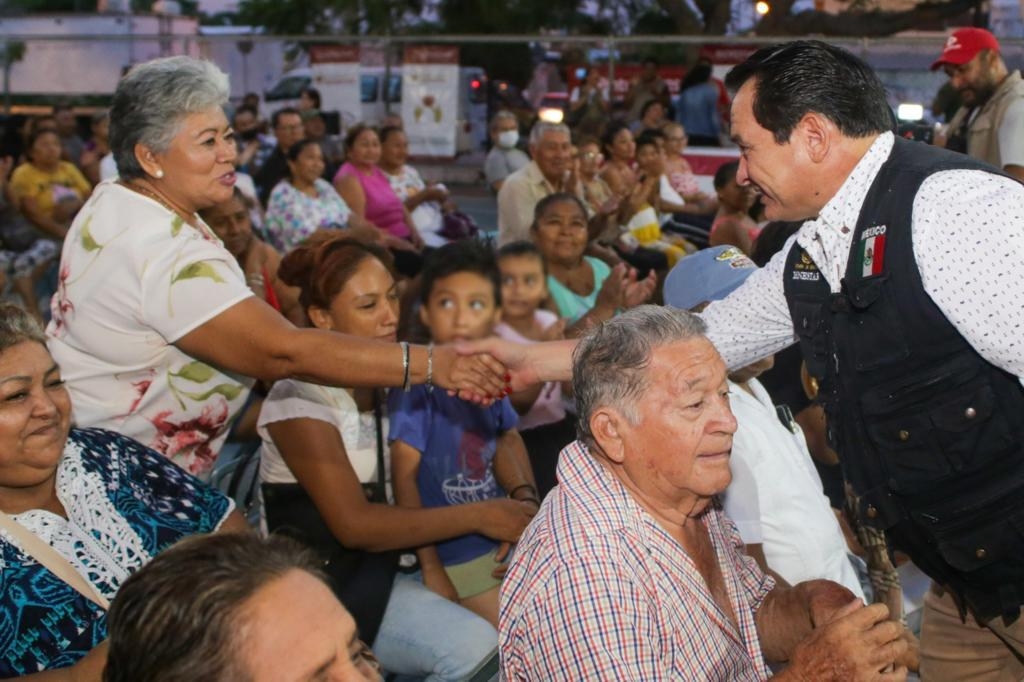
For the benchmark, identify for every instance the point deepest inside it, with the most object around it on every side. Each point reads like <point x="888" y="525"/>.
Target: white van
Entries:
<point x="472" y="101"/>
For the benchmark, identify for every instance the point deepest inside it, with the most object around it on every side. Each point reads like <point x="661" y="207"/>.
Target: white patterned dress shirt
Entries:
<point x="968" y="238"/>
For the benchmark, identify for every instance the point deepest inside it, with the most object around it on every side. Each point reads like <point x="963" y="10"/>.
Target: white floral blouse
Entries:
<point x="134" y="279"/>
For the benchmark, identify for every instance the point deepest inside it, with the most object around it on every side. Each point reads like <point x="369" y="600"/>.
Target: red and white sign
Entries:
<point x="430" y="86"/>
<point x="624" y="73"/>
<point x="335" y="71"/>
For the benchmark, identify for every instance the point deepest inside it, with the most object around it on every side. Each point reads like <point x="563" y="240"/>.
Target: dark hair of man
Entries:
<point x="466" y="255"/>
<point x="523" y="249"/>
<point x="179" y="618"/>
<point x="804" y="76"/>
<point x="725" y="174"/>
<point x="276" y="117"/>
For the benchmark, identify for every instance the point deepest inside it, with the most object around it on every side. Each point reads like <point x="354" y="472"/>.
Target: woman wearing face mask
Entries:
<point x="505" y="158"/>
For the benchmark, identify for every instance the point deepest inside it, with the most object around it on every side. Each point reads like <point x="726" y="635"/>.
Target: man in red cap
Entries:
<point x="990" y="124"/>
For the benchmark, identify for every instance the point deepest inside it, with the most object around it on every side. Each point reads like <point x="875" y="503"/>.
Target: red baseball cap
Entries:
<point x="964" y="44"/>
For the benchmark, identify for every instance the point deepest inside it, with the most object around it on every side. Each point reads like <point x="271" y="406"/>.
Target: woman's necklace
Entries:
<point x="159" y="198"/>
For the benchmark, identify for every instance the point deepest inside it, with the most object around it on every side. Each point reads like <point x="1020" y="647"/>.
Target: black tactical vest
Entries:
<point x="930" y="435"/>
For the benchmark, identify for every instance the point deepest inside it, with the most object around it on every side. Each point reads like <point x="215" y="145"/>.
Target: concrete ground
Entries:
<point x="464" y="178"/>
<point x="479" y="203"/>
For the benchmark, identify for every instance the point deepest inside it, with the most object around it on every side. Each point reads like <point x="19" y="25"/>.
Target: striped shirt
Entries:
<point x="597" y="590"/>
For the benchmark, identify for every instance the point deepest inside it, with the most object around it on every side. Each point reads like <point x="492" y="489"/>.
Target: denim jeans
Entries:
<point x="425" y="636"/>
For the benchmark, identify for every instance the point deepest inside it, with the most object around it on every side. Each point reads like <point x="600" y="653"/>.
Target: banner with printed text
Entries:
<point x="335" y="70"/>
<point x="430" y="85"/>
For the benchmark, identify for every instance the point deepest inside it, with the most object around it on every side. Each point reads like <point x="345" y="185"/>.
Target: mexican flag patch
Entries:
<point x="872" y="251"/>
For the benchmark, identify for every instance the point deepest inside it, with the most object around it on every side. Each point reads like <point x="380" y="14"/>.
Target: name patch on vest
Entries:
<point x="804" y="270"/>
<point x="872" y="251"/>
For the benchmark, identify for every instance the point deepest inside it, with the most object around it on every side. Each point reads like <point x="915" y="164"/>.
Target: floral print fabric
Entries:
<point x="292" y="216"/>
<point x="134" y="279"/>
<point x="124" y="505"/>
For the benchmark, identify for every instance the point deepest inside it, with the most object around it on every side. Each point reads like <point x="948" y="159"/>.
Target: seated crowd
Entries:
<point x="316" y="301"/>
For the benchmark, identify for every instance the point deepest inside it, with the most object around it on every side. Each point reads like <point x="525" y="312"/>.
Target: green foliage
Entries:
<point x="512" y="62"/>
<point x="326" y="17"/>
<point x="510" y="16"/>
<point x="288" y="18"/>
<point x="12" y="51"/>
<point x="656" y="22"/>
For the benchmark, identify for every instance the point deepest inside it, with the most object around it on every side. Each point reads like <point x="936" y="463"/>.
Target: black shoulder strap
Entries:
<point x="380" y="491"/>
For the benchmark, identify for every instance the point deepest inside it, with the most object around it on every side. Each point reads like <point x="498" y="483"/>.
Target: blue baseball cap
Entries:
<point x="708" y="275"/>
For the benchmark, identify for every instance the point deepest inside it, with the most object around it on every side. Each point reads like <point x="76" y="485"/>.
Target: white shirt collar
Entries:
<point x="827" y="238"/>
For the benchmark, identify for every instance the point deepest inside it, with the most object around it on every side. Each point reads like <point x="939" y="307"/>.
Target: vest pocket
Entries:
<point x="874" y="324"/>
<point x="979" y="534"/>
<point x="939" y="429"/>
<point x="807" y="323"/>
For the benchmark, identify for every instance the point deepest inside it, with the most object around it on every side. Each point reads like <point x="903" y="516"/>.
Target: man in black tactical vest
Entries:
<point x="905" y="290"/>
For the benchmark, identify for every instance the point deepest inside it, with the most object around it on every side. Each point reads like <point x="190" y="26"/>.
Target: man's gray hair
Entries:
<point x="503" y="115"/>
<point x="609" y="367"/>
<point x="541" y="128"/>
<point x="151" y="101"/>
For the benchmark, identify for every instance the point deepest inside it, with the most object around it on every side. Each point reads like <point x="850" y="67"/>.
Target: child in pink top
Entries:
<point x="543" y="423"/>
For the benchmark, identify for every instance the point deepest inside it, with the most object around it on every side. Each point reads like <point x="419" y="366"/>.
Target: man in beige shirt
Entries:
<point x="550" y="171"/>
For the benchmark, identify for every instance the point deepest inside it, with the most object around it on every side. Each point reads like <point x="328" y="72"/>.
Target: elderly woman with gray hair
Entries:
<point x="157" y="333"/>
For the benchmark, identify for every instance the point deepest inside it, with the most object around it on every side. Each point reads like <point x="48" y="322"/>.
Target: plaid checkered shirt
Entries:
<point x="597" y="590"/>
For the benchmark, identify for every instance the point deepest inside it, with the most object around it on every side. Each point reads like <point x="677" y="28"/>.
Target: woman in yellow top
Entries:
<point x="49" y="191"/>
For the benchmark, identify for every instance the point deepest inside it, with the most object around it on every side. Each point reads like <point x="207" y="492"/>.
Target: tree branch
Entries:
<point x="682" y="16"/>
<point x="875" y="23"/>
<point x="716" y="16"/>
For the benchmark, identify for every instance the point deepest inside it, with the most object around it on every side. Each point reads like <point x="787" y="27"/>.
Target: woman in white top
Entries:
<point x="327" y="440"/>
<point x="157" y="333"/>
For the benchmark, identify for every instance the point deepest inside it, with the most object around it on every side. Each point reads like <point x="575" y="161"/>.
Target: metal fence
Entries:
<point x="84" y="69"/>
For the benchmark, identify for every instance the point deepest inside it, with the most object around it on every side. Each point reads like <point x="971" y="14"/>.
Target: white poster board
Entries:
<point x="335" y="70"/>
<point x="430" y="84"/>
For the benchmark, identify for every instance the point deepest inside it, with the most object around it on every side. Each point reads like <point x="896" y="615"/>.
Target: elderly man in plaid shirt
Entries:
<point x="630" y="571"/>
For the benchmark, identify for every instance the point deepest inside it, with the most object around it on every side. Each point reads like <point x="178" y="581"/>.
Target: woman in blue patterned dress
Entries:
<point x="104" y="502"/>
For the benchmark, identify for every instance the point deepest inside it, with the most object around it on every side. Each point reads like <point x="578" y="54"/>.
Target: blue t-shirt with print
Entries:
<point x="457" y="441"/>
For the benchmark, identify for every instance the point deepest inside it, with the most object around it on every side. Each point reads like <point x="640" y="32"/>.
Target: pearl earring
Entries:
<point x="159" y="173"/>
